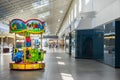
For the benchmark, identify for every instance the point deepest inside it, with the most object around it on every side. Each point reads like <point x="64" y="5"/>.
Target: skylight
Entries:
<point x="40" y="3"/>
<point x="43" y="15"/>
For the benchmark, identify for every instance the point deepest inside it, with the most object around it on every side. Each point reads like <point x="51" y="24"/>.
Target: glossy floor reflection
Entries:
<point x="59" y="66"/>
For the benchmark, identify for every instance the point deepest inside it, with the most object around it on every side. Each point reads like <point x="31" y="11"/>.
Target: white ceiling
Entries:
<point x="23" y="9"/>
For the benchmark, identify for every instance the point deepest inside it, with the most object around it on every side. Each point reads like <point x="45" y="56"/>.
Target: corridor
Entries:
<point x="60" y="66"/>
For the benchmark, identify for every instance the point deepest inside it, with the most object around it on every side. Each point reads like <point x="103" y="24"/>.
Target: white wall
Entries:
<point x="108" y="13"/>
<point x="105" y="11"/>
<point x="85" y="24"/>
<point x="87" y="5"/>
<point x="99" y="5"/>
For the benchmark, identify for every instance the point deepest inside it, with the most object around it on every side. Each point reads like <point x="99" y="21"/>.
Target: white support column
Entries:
<point x="1" y="45"/>
<point x="1" y="56"/>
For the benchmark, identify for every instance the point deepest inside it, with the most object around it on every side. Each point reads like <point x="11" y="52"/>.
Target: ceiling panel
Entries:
<point x="23" y="9"/>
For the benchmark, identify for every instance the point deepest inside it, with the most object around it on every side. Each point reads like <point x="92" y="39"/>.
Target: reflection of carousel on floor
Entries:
<point x="27" y="58"/>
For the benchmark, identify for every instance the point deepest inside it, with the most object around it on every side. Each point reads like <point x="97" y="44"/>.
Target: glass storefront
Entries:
<point x="67" y="44"/>
<point x="109" y="42"/>
<point x="73" y="44"/>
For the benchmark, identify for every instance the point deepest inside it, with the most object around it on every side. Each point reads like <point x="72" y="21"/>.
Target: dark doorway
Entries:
<point x="87" y="48"/>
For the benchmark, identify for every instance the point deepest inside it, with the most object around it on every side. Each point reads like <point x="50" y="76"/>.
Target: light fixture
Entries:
<point x="61" y="11"/>
<point x="21" y="10"/>
<point x="58" y="20"/>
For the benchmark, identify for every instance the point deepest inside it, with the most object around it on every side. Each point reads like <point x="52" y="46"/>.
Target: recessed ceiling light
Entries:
<point x="21" y="10"/>
<point x="58" y="20"/>
<point x="61" y="11"/>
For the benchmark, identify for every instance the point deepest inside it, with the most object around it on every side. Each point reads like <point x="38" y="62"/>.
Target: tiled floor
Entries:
<point x="59" y="66"/>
